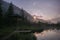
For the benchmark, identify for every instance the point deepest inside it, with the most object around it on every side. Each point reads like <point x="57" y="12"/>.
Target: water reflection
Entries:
<point x="48" y="35"/>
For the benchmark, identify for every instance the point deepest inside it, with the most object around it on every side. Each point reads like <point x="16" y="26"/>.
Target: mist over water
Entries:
<point x="48" y="35"/>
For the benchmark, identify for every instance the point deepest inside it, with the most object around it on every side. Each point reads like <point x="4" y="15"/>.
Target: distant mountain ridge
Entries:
<point x="56" y="20"/>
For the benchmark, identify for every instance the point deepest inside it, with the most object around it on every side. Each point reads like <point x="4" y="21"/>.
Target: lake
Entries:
<point x="48" y="35"/>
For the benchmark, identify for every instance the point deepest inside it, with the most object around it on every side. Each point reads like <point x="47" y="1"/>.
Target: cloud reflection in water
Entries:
<point x="48" y="35"/>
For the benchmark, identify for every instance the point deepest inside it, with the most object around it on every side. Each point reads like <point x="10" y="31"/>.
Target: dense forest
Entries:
<point x="10" y="22"/>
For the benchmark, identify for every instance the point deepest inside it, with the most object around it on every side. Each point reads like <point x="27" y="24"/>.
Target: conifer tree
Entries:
<point x="22" y="12"/>
<point x="10" y="13"/>
<point x="0" y="11"/>
<point x="10" y="10"/>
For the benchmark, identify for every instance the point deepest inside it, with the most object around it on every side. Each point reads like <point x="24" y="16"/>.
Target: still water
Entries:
<point x="48" y="35"/>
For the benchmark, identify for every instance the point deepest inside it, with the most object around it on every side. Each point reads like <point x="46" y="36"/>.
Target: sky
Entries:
<point x="48" y="9"/>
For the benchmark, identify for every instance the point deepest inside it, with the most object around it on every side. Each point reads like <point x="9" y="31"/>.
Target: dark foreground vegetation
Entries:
<point x="10" y="22"/>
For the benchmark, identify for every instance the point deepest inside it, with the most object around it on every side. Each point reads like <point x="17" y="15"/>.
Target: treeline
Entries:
<point x="49" y="25"/>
